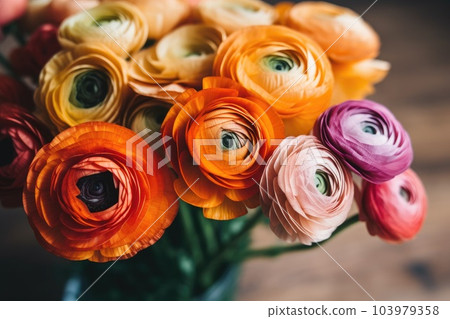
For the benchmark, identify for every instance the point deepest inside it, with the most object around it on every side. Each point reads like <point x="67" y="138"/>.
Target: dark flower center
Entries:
<point x="7" y="150"/>
<point x="89" y="89"/>
<point x="230" y="141"/>
<point x="405" y="194"/>
<point x="98" y="192"/>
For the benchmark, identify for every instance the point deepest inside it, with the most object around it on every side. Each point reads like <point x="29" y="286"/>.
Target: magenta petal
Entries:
<point x="368" y="137"/>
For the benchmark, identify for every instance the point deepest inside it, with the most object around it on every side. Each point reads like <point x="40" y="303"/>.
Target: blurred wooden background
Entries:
<point x="415" y="40"/>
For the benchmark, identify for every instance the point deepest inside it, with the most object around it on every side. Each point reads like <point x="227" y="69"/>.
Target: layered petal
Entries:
<point x="355" y="81"/>
<point x="305" y="191"/>
<point x="220" y="139"/>
<point x="368" y="138"/>
<point x="284" y="68"/>
<point x="118" y="25"/>
<point x="394" y="210"/>
<point x="183" y="56"/>
<point x="233" y="15"/>
<point x="341" y="32"/>
<point x="161" y="16"/>
<point x="87" y="83"/>
<point x="89" y="196"/>
<point x="21" y="136"/>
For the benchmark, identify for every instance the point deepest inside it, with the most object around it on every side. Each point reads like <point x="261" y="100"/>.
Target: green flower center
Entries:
<point x="230" y="141"/>
<point x="405" y="194"/>
<point x="322" y="182"/>
<point x="278" y="63"/>
<point x="89" y="89"/>
<point x="369" y="129"/>
<point x="105" y="20"/>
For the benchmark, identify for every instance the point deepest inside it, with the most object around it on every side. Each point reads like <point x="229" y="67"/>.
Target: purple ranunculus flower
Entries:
<point x="368" y="137"/>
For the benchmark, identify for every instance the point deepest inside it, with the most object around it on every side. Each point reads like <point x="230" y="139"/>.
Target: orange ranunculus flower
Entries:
<point x="283" y="9"/>
<point x="355" y="81"/>
<point x="85" y="201"/>
<point x="87" y="83"/>
<point x="283" y="67"/>
<point x="233" y="15"/>
<point x="219" y="152"/>
<point x="161" y="16"/>
<point x="118" y="25"/>
<point x="184" y="56"/>
<point x="146" y="113"/>
<point x="338" y="30"/>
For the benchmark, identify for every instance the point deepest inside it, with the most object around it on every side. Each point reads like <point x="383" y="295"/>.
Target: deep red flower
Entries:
<point x="12" y="91"/>
<point x="42" y="45"/>
<point x="21" y="136"/>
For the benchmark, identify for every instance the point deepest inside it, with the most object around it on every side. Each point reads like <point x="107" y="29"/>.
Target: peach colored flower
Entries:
<point x="305" y="191"/>
<point x="338" y="30"/>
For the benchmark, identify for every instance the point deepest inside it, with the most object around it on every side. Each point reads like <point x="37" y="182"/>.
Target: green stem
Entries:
<point x="191" y="233"/>
<point x="208" y="268"/>
<point x="278" y="250"/>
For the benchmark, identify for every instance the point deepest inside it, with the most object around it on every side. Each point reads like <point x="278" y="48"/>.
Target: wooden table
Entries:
<point x="415" y="40"/>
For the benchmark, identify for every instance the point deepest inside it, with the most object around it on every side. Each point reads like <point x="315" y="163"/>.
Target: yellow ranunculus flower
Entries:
<point x="162" y="16"/>
<point x="146" y="113"/>
<point x="118" y="25"/>
<point x="87" y="83"/>
<point x="283" y="67"/>
<point x="233" y="15"/>
<point x="354" y="81"/>
<point x="339" y="31"/>
<point x="185" y="56"/>
<point x="283" y="8"/>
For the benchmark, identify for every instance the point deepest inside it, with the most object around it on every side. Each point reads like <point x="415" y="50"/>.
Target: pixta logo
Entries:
<point x="152" y="143"/>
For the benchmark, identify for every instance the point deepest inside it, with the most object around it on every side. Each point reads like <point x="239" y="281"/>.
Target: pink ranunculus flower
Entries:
<point x="305" y="190"/>
<point x="11" y="10"/>
<point x="367" y="137"/>
<point x="394" y="210"/>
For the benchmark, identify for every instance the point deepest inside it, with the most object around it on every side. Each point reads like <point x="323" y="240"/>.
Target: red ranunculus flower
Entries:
<point x="21" y="136"/>
<point x="12" y="91"/>
<point x="394" y="210"/>
<point x="42" y="45"/>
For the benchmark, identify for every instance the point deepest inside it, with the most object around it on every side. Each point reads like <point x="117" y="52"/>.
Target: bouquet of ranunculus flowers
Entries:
<point x="176" y="126"/>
